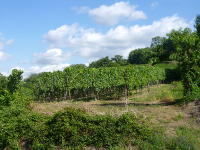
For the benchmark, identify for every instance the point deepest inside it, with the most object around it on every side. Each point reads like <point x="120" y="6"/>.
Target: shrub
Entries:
<point x="78" y="129"/>
<point x="5" y="98"/>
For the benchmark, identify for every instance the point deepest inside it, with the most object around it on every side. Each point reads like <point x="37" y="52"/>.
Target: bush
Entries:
<point x="75" y="128"/>
<point x="5" y="98"/>
<point x="17" y="122"/>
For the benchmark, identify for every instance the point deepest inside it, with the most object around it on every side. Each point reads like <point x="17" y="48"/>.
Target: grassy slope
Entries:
<point x="168" y="64"/>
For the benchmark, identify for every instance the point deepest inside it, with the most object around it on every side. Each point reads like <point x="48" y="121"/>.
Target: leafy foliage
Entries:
<point x="83" y="82"/>
<point x="172" y="71"/>
<point x="76" y="128"/>
<point x="197" y="24"/>
<point x="187" y="45"/>
<point x="5" y="98"/>
<point x="142" y="56"/>
<point x="162" y="47"/>
<point x="103" y="62"/>
<point x="116" y="61"/>
<point x="20" y="128"/>
<point x="14" y="80"/>
<point x="3" y="82"/>
<point x="119" y="60"/>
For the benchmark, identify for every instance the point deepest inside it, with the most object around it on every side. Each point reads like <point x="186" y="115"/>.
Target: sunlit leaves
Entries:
<point x="80" y="82"/>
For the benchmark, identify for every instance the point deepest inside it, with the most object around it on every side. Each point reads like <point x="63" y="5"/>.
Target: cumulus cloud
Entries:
<point x="51" y="60"/>
<point x="89" y="43"/>
<point x="46" y="68"/>
<point x="113" y="14"/>
<point x="53" y="56"/>
<point x="38" y="69"/>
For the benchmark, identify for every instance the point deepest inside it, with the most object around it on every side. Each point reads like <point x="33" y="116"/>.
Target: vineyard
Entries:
<point x="149" y="100"/>
<point x="80" y="82"/>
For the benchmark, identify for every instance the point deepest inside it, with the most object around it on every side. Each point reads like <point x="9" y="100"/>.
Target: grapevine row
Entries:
<point x="80" y="82"/>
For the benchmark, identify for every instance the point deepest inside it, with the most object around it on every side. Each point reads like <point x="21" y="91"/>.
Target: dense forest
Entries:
<point x="173" y="59"/>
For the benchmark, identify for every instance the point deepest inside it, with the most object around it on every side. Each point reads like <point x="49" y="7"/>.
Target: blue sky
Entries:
<point x="46" y="35"/>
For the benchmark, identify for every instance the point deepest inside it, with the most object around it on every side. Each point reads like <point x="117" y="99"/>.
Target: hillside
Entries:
<point x="157" y="104"/>
<point x="149" y="100"/>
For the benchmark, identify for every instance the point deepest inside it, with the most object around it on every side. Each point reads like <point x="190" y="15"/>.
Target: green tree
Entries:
<point x="163" y="47"/>
<point x="3" y="82"/>
<point x="157" y="41"/>
<point x="197" y="24"/>
<point x="14" y="80"/>
<point x="79" y="66"/>
<point x="142" y="56"/>
<point x="31" y="80"/>
<point x="187" y="44"/>
<point x="119" y="60"/>
<point x="169" y="50"/>
<point x="103" y="62"/>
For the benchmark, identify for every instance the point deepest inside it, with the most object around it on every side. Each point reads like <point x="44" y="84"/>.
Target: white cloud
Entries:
<point x="52" y="57"/>
<point x="46" y="68"/>
<point x="5" y="73"/>
<point x="51" y="60"/>
<point x="3" y="56"/>
<point x="38" y="69"/>
<point x="111" y="15"/>
<point x="119" y="40"/>
<point x="3" y="43"/>
<point x="60" y="33"/>
<point x="17" y="67"/>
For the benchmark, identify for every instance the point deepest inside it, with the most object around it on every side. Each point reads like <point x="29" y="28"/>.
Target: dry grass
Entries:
<point x="157" y="110"/>
<point x="167" y="116"/>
